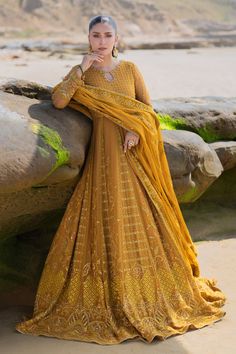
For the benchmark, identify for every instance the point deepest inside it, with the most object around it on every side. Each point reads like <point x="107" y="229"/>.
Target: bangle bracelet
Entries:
<point x="82" y="72"/>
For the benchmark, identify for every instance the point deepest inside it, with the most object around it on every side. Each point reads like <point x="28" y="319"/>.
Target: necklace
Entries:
<point x="108" y="74"/>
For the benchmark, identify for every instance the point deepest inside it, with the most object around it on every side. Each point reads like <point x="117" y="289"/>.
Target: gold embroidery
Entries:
<point x="121" y="264"/>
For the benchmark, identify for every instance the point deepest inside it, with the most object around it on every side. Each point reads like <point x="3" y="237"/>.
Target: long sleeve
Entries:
<point x="64" y="90"/>
<point x="141" y="91"/>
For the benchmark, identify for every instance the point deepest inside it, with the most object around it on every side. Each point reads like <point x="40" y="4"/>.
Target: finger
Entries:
<point x="98" y="54"/>
<point x="130" y="146"/>
<point x="97" y="57"/>
<point x="125" y="145"/>
<point x="133" y="143"/>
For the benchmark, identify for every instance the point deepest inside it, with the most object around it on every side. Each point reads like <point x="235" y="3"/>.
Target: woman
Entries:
<point x="122" y="264"/>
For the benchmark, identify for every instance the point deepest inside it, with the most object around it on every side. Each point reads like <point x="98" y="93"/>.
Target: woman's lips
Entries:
<point x="102" y="48"/>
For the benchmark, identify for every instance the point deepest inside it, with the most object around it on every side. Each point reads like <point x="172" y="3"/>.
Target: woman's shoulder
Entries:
<point x="130" y="66"/>
<point x="128" y="63"/>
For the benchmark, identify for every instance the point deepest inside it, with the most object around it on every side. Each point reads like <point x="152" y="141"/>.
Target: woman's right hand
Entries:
<point x="88" y="60"/>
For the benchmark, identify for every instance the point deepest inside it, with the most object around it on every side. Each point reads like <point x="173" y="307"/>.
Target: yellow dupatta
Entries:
<point x="148" y="158"/>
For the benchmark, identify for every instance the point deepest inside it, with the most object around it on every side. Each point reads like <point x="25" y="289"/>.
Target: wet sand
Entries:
<point x="168" y="73"/>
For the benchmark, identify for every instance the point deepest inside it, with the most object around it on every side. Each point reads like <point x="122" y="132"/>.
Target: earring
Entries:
<point x="115" y="52"/>
<point x="90" y="49"/>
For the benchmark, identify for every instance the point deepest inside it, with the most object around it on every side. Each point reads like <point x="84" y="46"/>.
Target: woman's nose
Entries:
<point x="102" y="40"/>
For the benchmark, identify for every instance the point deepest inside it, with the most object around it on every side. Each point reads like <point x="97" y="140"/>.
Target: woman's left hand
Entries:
<point x="131" y="139"/>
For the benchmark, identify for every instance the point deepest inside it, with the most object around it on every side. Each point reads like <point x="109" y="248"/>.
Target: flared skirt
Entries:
<point x="113" y="271"/>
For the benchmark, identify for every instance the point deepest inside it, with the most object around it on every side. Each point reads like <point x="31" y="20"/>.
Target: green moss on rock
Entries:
<point x="207" y="132"/>
<point x="53" y="139"/>
<point x="190" y="195"/>
<point x="170" y="123"/>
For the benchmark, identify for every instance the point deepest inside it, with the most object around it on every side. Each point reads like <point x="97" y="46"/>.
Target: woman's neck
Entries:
<point x="108" y="63"/>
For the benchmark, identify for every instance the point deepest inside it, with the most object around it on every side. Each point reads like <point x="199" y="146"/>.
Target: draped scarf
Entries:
<point x="148" y="158"/>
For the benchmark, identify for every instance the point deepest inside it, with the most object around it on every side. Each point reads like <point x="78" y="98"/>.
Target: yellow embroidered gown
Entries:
<point x="113" y="271"/>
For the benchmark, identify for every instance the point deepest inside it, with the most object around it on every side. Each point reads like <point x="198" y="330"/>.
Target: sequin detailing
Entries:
<point x="122" y="264"/>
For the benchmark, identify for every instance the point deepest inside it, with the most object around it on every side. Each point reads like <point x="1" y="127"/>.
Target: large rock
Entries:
<point x="44" y="151"/>
<point x="226" y="151"/>
<point x="213" y="216"/>
<point x="213" y="118"/>
<point x="45" y="147"/>
<point x="194" y="165"/>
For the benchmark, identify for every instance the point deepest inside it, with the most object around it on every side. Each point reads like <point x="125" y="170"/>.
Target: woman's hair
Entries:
<point x="102" y="19"/>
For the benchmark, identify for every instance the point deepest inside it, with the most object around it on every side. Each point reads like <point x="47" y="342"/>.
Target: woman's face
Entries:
<point x="102" y="38"/>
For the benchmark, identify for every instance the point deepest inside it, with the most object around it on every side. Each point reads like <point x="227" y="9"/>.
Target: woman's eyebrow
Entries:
<point x="100" y="32"/>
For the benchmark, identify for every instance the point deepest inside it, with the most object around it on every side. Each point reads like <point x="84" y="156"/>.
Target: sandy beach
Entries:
<point x="217" y="260"/>
<point x="168" y="73"/>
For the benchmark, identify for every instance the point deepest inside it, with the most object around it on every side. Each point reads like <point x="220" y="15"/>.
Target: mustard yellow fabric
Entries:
<point x="122" y="263"/>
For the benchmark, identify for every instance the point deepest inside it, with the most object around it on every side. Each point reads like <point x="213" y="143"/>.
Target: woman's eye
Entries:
<point x="96" y="35"/>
